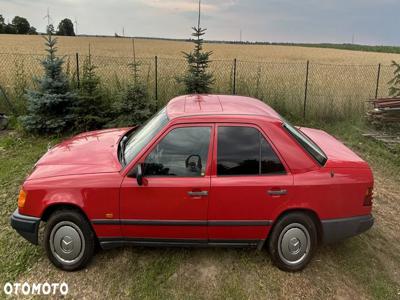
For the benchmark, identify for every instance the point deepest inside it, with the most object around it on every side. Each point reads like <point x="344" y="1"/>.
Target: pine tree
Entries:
<point x="394" y="90"/>
<point x="91" y="109"/>
<point x="51" y="107"/>
<point x="135" y="106"/>
<point x="197" y="79"/>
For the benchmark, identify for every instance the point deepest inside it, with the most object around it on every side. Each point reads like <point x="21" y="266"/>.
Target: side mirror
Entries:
<point x="139" y="174"/>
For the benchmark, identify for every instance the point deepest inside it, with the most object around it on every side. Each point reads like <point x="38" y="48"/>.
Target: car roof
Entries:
<point x="200" y="104"/>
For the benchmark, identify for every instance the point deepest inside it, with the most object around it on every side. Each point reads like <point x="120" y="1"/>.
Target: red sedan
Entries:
<point x="206" y="170"/>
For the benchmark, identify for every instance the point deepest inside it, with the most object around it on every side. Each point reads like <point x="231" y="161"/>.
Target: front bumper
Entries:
<point x="338" y="229"/>
<point x="26" y="226"/>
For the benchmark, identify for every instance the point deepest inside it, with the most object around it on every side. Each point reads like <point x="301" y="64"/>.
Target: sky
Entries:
<point x="371" y="22"/>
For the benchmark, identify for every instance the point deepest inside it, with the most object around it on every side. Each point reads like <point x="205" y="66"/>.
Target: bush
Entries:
<point x="134" y="106"/>
<point x="91" y="109"/>
<point x="394" y="89"/>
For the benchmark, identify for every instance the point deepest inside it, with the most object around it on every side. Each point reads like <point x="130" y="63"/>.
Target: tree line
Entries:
<point x="20" y="25"/>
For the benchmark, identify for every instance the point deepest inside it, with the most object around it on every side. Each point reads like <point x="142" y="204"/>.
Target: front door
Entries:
<point x="171" y="204"/>
<point x="249" y="180"/>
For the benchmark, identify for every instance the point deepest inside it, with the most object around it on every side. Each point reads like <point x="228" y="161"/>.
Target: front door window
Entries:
<point x="182" y="153"/>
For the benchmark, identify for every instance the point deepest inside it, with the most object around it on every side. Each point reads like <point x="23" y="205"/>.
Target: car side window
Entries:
<point x="182" y="152"/>
<point x="244" y="151"/>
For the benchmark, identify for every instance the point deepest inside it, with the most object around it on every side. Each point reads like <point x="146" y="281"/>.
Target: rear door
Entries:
<point x="248" y="181"/>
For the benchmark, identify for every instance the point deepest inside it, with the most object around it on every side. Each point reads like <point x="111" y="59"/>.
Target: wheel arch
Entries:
<point x="311" y="213"/>
<point x="49" y="210"/>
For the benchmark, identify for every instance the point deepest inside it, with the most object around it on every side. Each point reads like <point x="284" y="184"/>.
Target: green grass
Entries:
<point x="17" y="156"/>
<point x="351" y="257"/>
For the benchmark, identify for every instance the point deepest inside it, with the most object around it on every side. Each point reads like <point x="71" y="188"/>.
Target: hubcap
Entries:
<point x="67" y="243"/>
<point x="294" y="244"/>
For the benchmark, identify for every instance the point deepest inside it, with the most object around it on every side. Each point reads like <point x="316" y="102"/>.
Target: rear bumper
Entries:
<point x="26" y="226"/>
<point x="338" y="229"/>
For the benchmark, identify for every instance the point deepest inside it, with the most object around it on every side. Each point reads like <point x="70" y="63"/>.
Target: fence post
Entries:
<point x="156" y="79"/>
<point x="377" y="81"/>
<point x="306" y="90"/>
<point x="12" y="108"/>
<point x="77" y="69"/>
<point x="234" y="77"/>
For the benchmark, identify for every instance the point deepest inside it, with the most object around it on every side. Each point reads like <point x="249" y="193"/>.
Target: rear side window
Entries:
<point x="244" y="151"/>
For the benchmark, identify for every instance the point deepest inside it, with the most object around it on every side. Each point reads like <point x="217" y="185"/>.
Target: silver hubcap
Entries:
<point x="67" y="243"/>
<point x="294" y="244"/>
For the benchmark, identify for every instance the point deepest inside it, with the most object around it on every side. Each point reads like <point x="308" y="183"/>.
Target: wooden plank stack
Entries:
<point x="385" y="110"/>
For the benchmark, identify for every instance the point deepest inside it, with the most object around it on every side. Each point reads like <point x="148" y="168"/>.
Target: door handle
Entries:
<point x="197" y="194"/>
<point x="277" y="192"/>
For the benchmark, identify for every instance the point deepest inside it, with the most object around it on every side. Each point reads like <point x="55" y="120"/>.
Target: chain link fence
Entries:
<point x="301" y="89"/>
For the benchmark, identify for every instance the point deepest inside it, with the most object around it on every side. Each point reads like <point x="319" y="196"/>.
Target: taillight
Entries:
<point x="369" y="195"/>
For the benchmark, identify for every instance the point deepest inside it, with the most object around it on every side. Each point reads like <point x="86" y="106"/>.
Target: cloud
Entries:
<point x="187" y="5"/>
<point x="371" y="21"/>
<point x="179" y="5"/>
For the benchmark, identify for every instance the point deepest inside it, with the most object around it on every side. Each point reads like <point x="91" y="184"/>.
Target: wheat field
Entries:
<point x="339" y="81"/>
<point x="122" y="47"/>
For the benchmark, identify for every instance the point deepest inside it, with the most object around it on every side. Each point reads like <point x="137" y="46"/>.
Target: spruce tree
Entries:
<point x="135" y="107"/>
<point x="197" y="78"/>
<point x="50" y="109"/>
<point x="91" y="109"/>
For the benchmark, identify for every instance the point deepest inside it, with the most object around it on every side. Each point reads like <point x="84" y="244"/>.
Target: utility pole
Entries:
<point x="133" y="51"/>
<point x="76" y="27"/>
<point x="352" y="39"/>
<point x="240" y="35"/>
<point x="48" y="17"/>
<point x="198" y="20"/>
<point x="123" y="31"/>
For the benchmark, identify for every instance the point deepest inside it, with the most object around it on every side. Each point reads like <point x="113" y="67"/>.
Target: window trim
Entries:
<point x="313" y="144"/>
<point x="261" y="134"/>
<point x="126" y="166"/>
<point x="158" y="139"/>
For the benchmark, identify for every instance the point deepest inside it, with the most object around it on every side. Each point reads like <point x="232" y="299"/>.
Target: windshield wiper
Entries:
<point x="122" y="144"/>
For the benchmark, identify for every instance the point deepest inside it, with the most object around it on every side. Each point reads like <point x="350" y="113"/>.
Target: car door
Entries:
<point x="171" y="204"/>
<point x="248" y="181"/>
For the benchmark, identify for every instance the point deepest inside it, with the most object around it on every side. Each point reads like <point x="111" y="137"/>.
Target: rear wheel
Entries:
<point x="293" y="241"/>
<point x="68" y="240"/>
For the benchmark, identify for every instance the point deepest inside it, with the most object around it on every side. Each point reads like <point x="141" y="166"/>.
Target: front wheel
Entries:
<point x="68" y="240"/>
<point x="293" y="241"/>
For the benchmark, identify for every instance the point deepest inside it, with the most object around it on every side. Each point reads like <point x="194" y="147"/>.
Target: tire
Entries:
<point x="69" y="240"/>
<point x="293" y="241"/>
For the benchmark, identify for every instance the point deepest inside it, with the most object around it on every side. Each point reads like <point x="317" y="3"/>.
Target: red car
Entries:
<point x="206" y="170"/>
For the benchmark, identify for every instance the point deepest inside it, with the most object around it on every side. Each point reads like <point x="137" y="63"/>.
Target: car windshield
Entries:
<point x="306" y="143"/>
<point x="141" y="137"/>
